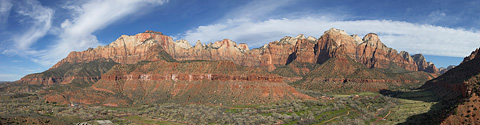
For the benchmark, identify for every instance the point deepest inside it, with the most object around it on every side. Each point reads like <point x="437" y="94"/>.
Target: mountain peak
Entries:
<point x="290" y="40"/>
<point x="473" y="55"/>
<point x="155" y="32"/>
<point x="183" y="43"/>
<point x="300" y="36"/>
<point x="224" y="43"/>
<point x="333" y="30"/>
<point x="372" y="37"/>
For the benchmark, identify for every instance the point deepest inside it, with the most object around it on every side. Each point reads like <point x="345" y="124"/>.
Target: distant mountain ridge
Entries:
<point x="443" y="70"/>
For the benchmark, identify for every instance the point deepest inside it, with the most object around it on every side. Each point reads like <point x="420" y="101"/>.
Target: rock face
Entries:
<point x="423" y="65"/>
<point x="460" y="86"/>
<point x="371" y="51"/>
<point x="151" y="46"/>
<point x="127" y="49"/>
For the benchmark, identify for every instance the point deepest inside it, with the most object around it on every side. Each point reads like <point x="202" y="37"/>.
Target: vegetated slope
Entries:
<point x="204" y="82"/>
<point x="459" y="88"/>
<point x="66" y="73"/>
<point x="344" y="75"/>
<point x="76" y="74"/>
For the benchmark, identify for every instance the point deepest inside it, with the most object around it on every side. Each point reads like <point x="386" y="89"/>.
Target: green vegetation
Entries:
<point x="294" y="69"/>
<point x="89" y="69"/>
<point x="358" y="108"/>
<point x="346" y="76"/>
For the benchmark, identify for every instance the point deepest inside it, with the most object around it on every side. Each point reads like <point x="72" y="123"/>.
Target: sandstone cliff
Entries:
<point x="423" y="65"/>
<point x="152" y="46"/>
<point x="369" y="51"/>
<point x="126" y="50"/>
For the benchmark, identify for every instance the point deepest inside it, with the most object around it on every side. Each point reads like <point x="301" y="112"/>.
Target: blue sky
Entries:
<point x="35" y="34"/>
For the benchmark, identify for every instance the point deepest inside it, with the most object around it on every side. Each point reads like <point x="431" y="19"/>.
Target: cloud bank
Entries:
<point x="39" y="19"/>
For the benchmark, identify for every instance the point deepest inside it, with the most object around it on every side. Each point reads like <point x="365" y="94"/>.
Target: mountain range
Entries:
<point x="152" y="66"/>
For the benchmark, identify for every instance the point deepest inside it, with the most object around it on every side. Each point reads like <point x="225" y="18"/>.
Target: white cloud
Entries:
<point x="5" y="7"/>
<point x="257" y="9"/>
<point x="88" y="17"/>
<point x="411" y="37"/>
<point x="39" y="20"/>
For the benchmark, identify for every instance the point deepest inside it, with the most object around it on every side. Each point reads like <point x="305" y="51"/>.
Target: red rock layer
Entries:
<point x="191" y="77"/>
<point x="35" y="79"/>
<point x="190" y="71"/>
<point x="206" y="82"/>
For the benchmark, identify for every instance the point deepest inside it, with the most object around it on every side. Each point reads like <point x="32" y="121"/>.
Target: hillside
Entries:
<point x="460" y="88"/>
<point x="203" y="82"/>
<point x="343" y="75"/>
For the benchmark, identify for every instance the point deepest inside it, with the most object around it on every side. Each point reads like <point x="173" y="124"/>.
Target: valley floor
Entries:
<point x="384" y="107"/>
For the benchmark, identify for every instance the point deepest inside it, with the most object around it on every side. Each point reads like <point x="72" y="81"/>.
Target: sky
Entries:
<point x="36" y="34"/>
